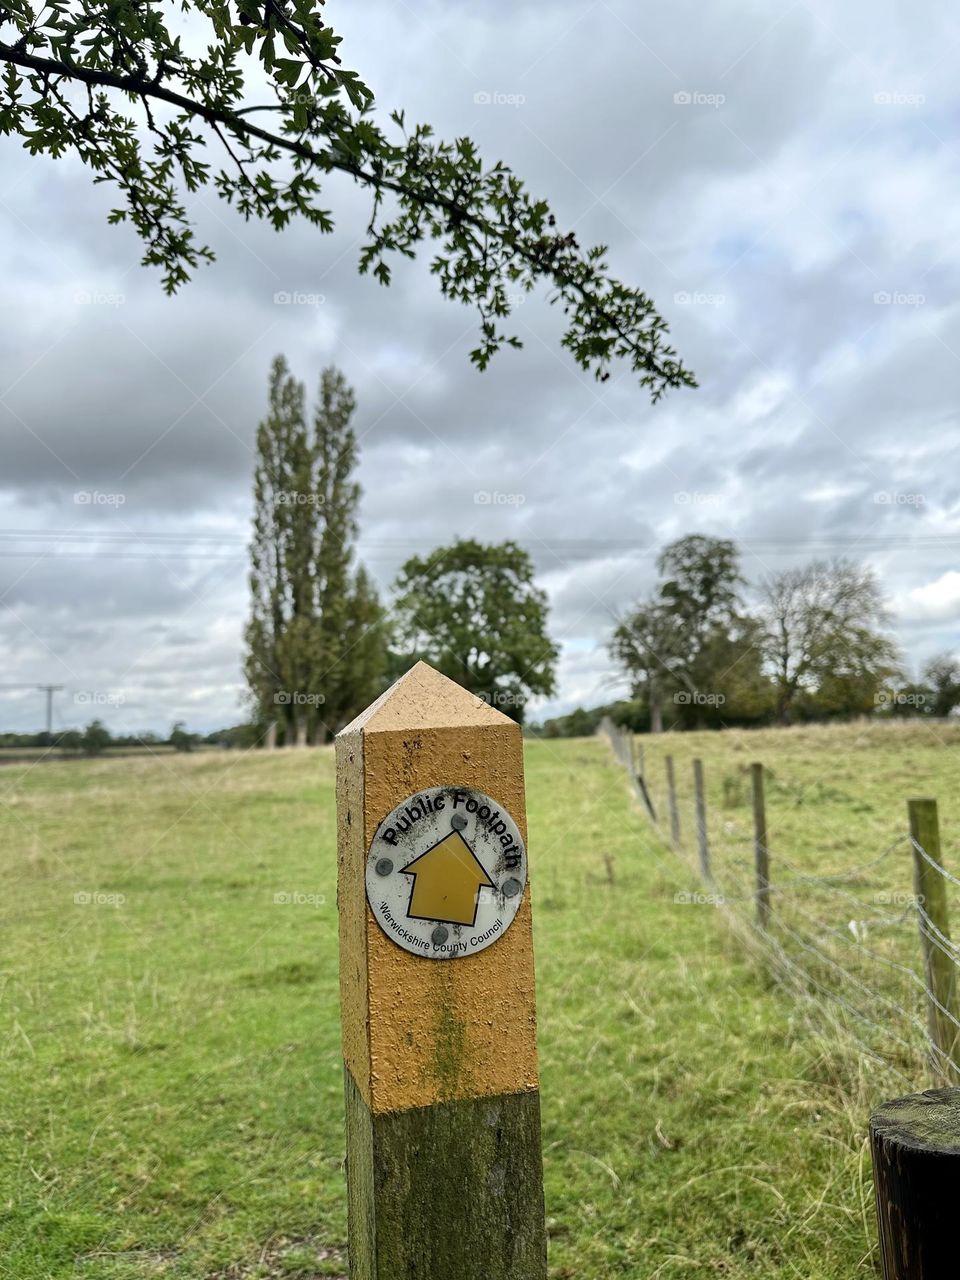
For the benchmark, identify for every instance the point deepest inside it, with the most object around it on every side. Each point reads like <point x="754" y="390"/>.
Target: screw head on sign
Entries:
<point x="440" y="934"/>
<point x="510" y="888"/>
<point x="458" y="822"/>
<point x="384" y="866"/>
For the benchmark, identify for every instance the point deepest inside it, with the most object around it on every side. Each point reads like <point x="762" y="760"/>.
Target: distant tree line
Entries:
<point x="807" y="643"/>
<point x="703" y="649"/>
<point x="583" y="722"/>
<point x="812" y="646"/>
<point x="96" y="738"/>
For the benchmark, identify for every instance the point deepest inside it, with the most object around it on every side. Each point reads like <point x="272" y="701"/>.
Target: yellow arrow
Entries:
<point x="446" y="882"/>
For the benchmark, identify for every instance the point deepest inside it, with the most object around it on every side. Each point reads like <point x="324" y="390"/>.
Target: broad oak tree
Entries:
<point x="162" y="99"/>
<point x="692" y="641"/>
<point x="472" y="610"/>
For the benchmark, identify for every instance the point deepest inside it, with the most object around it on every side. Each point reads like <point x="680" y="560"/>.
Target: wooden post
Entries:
<point x="672" y="803"/>
<point x="645" y="796"/>
<point x="444" y="1166"/>
<point x="761" y="850"/>
<point x="940" y="967"/>
<point x="701" y="803"/>
<point x="656" y="710"/>
<point x="915" y="1143"/>
<point x="640" y="780"/>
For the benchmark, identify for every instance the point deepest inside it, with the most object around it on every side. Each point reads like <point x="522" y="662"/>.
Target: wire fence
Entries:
<point x="865" y="950"/>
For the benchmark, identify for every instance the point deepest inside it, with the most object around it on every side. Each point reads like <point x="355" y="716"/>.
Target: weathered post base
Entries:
<point x="915" y="1143"/>
<point x="458" y="1190"/>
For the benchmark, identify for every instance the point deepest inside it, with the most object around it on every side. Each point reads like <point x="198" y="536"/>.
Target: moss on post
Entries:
<point x="455" y="1189"/>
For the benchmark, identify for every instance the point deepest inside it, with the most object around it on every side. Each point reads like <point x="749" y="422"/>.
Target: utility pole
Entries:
<point x="50" y="690"/>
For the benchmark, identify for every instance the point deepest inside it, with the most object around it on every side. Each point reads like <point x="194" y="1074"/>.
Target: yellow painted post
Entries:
<point x="444" y="1166"/>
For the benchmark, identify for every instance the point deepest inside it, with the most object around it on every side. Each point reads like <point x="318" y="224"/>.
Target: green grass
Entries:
<point x="835" y="793"/>
<point x="171" y="1074"/>
<point x="17" y="755"/>
<point x="841" y="862"/>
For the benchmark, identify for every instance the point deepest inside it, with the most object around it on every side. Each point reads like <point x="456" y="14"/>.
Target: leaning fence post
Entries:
<point x="930" y="888"/>
<point x="915" y="1144"/>
<point x="701" y="806"/>
<point x="761" y="850"/>
<point x="444" y="1167"/>
<point x="672" y="802"/>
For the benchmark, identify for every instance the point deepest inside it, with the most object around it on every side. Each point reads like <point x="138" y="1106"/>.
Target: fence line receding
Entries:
<point x="846" y="941"/>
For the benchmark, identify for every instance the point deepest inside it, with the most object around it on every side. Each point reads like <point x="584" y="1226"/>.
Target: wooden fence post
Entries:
<point x="672" y="802"/>
<point x="636" y="757"/>
<point x="940" y="967"/>
<point x="444" y="1166"/>
<point x="701" y="806"/>
<point x="761" y="850"/>
<point x="915" y="1143"/>
<point x="646" y="797"/>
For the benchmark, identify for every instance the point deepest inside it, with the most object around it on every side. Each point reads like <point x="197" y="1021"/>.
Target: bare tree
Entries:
<point x="821" y="632"/>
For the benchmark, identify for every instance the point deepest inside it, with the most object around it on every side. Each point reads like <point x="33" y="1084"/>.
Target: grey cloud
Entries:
<point x="795" y="200"/>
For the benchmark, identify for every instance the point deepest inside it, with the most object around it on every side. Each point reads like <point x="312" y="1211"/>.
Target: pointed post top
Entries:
<point x="424" y="699"/>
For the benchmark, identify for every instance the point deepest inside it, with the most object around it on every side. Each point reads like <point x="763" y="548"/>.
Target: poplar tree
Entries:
<point x="280" y="453"/>
<point x="351" y="643"/>
<point x="316" y="641"/>
<point x="335" y="449"/>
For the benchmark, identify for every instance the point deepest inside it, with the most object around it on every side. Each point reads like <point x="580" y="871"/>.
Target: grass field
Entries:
<point x="171" y="1075"/>
<point x="17" y="755"/>
<point x="841" y="863"/>
<point x="835" y="793"/>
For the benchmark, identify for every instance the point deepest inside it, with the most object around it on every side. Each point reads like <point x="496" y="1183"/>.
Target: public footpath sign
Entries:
<point x="445" y="873"/>
<point x="444" y="1167"/>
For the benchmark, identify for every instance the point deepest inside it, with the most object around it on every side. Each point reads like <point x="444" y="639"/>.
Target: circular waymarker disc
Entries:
<point x="446" y="873"/>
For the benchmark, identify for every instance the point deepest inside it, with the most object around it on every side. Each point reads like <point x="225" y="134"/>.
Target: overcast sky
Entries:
<point x="782" y="178"/>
